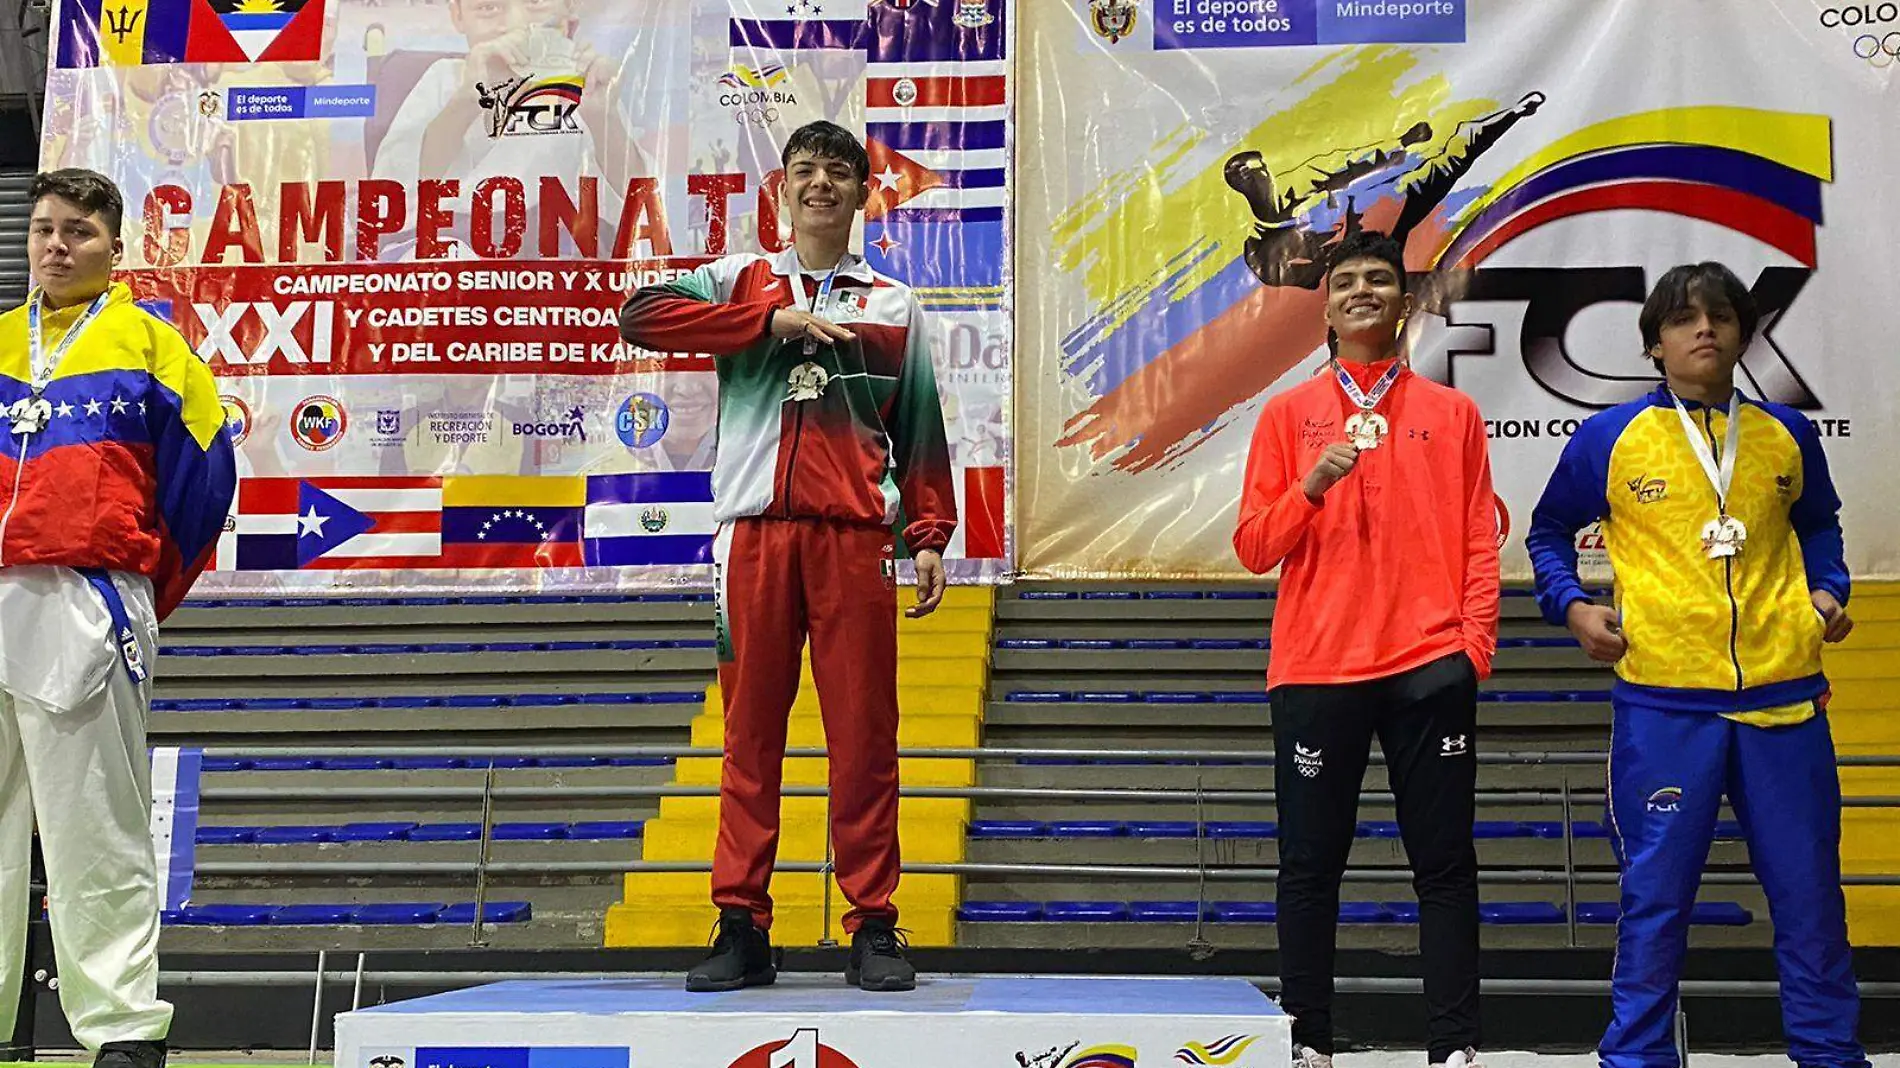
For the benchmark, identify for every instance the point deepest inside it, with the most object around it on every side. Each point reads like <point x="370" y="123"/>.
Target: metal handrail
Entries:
<point x="1132" y="756"/>
<point x="970" y="793"/>
<point x="1502" y="876"/>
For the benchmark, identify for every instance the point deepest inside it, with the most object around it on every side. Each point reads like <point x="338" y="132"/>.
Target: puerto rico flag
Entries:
<point x="288" y="524"/>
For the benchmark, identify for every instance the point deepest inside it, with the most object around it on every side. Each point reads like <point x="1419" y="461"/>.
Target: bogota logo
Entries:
<point x="531" y="106"/>
<point x="319" y="424"/>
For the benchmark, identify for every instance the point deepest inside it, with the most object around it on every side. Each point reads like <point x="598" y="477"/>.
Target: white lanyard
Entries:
<point x="44" y="365"/>
<point x="1720" y="475"/>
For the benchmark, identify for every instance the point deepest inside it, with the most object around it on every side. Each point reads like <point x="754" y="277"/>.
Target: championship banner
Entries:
<point x="1542" y="163"/>
<point x="400" y="233"/>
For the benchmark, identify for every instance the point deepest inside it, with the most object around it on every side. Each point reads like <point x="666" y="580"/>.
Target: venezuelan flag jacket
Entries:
<point x="1729" y="635"/>
<point x="134" y="473"/>
<point x="851" y="432"/>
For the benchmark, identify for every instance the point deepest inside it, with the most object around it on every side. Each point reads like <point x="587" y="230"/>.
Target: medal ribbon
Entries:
<point x="1720" y="476"/>
<point x="1367" y="401"/>
<point x="43" y="365"/>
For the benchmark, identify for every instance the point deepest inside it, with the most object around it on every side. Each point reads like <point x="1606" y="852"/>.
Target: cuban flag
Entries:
<point x="659" y="517"/>
<point x="937" y="102"/>
<point x="287" y="524"/>
<point x="798" y="25"/>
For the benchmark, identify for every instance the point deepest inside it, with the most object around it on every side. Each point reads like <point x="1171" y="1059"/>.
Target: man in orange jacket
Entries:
<point x="1370" y="488"/>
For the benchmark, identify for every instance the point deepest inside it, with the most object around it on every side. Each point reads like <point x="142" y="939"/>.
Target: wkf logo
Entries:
<point x="319" y="423"/>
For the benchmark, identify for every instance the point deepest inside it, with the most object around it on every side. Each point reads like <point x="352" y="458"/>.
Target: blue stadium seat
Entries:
<point x="226" y="835"/>
<point x="373" y="832"/>
<point x="284" y="764"/>
<point x="446" y="832"/>
<point x="1177" y="697"/>
<point x="1242" y="829"/>
<point x="605" y="830"/>
<point x="1728" y="830"/>
<point x="528" y="832"/>
<point x="1499" y="829"/>
<point x="1363" y="912"/>
<point x="1595" y="912"/>
<point x="492" y="912"/>
<point x="1046" y="595"/>
<point x="1401" y="911"/>
<point x="1171" y="595"/>
<point x="397" y="914"/>
<point x="1512" y="913"/>
<point x="1239" y="595"/>
<point x="1086" y="829"/>
<point x="1085" y="912"/>
<point x="1118" y="697"/>
<point x="1152" y="644"/>
<point x="353" y="764"/>
<point x="1220" y="643"/>
<point x="1026" y="643"/>
<point x="999" y="912"/>
<point x="223" y="763"/>
<point x="1720" y="914"/>
<point x="1086" y="644"/>
<point x="1038" y="697"/>
<point x="293" y="835"/>
<point x="224" y="915"/>
<point x="312" y="915"/>
<point x="430" y="763"/>
<point x="1378" y="829"/>
<point x="1109" y="595"/>
<point x="1163" y="911"/>
<point x="1008" y="829"/>
<point x="1161" y="829"/>
<point x="1243" y="911"/>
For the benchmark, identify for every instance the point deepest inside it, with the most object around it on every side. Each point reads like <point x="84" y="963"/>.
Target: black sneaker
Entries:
<point x="741" y="956"/>
<point x="877" y="959"/>
<point x="130" y="1055"/>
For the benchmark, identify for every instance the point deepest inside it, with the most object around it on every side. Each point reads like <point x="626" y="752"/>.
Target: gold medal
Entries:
<point x="1724" y="536"/>
<point x="1366" y="430"/>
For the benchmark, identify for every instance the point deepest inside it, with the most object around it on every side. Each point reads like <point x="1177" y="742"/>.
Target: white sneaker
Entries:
<point x="1465" y="1058"/>
<point x="1308" y="1057"/>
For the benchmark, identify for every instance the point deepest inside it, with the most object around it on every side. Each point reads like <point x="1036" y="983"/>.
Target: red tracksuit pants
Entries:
<point x="778" y="580"/>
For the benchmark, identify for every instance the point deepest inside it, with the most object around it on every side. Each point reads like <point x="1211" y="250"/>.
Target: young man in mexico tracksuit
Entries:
<point x="830" y="433"/>
<point x="115" y="479"/>
<point x="1370" y="488"/>
<point x="1723" y="530"/>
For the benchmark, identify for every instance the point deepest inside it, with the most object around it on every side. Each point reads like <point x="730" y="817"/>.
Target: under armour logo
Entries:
<point x="1452" y="745"/>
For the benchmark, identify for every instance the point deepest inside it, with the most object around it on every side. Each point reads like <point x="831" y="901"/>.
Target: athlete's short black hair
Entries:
<point x="828" y="140"/>
<point x="1370" y="245"/>
<point x="92" y="191"/>
<point x="1711" y="283"/>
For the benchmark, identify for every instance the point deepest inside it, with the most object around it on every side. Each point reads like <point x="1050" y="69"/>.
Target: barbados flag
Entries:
<point x="122" y="33"/>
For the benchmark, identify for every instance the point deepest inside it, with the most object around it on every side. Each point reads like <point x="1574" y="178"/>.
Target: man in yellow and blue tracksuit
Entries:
<point x="1723" y="530"/>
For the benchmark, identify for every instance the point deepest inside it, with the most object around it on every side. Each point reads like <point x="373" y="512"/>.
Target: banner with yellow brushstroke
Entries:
<point x="1542" y="165"/>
